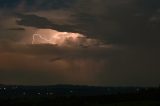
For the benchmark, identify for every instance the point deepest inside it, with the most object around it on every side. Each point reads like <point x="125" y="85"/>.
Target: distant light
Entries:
<point x="137" y="89"/>
<point x="51" y="93"/>
<point x="71" y="91"/>
<point x="39" y="93"/>
<point x="14" y="87"/>
<point x="4" y="88"/>
<point x="24" y="93"/>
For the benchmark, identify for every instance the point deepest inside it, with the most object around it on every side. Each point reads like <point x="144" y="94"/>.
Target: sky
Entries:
<point x="80" y="42"/>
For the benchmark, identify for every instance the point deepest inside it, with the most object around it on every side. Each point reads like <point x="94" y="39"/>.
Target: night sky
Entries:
<point x="117" y="43"/>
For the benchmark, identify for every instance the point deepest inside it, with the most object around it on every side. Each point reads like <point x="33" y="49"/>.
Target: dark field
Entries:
<point x="62" y="95"/>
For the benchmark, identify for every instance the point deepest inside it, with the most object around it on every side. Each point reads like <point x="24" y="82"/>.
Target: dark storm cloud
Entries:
<point x="130" y="26"/>
<point x="42" y="22"/>
<point x="139" y="65"/>
<point x="126" y="22"/>
<point x="34" y="5"/>
<point x="55" y="51"/>
<point x="50" y="63"/>
<point x="122" y="22"/>
<point x="19" y="29"/>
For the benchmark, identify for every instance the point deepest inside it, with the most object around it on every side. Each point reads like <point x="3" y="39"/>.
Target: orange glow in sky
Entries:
<point x="48" y="36"/>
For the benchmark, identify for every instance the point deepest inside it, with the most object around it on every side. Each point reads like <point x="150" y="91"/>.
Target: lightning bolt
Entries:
<point x="54" y="39"/>
<point x="41" y="37"/>
<point x="65" y="39"/>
